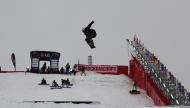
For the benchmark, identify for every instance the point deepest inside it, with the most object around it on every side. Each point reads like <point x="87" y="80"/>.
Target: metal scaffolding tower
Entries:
<point x="90" y="60"/>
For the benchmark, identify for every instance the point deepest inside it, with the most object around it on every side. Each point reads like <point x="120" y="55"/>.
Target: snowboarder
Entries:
<point x="65" y="82"/>
<point x="82" y="69"/>
<point x="135" y="86"/>
<point x="43" y="82"/>
<point x="54" y="84"/>
<point x="134" y="90"/>
<point x="90" y="34"/>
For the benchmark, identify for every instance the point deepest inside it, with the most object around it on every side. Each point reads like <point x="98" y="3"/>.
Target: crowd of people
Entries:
<point x="65" y="83"/>
<point x="68" y="70"/>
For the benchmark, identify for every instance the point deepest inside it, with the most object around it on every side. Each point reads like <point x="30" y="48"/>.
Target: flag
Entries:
<point x="13" y="60"/>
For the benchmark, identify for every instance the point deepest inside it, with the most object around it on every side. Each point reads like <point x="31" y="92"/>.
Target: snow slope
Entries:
<point x="112" y="91"/>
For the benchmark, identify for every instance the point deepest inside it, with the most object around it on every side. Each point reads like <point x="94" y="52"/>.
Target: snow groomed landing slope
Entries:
<point x="107" y="91"/>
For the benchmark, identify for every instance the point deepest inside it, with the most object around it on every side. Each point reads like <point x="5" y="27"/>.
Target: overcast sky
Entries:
<point x="55" y="25"/>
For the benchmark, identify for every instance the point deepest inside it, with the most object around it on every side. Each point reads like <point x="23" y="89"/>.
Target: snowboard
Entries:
<point x="90" y="42"/>
<point x="58" y="87"/>
<point x="42" y="84"/>
<point x="134" y="92"/>
<point x="74" y="102"/>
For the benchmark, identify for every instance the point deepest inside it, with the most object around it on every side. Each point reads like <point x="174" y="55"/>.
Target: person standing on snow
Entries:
<point x="44" y="67"/>
<point x="62" y="70"/>
<point x="83" y="70"/>
<point x="74" y="70"/>
<point x="67" y="67"/>
<point x="135" y="86"/>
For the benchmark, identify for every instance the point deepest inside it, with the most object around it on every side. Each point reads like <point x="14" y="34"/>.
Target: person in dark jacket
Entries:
<point x="65" y="82"/>
<point x="62" y="70"/>
<point x="43" y="82"/>
<point x="54" y="84"/>
<point x="83" y="70"/>
<point x="67" y="67"/>
<point x="44" y="67"/>
<point x="90" y="34"/>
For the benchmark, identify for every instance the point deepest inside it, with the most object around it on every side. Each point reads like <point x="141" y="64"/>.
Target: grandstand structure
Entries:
<point x="154" y="77"/>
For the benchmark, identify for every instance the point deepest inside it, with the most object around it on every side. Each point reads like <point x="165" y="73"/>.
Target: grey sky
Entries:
<point x="55" y="25"/>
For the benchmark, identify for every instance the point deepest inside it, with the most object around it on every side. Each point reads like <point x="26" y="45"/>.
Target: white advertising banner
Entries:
<point x="102" y="68"/>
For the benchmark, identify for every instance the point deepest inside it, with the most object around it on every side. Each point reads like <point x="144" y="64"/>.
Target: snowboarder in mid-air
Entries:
<point x="90" y="34"/>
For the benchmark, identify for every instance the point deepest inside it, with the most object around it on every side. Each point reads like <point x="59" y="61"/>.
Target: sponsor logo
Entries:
<point x="45" y="55"/>
<point x="102" y="68"/>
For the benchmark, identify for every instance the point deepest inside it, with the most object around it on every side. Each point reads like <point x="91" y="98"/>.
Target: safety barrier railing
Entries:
<point x="165" y="80"/>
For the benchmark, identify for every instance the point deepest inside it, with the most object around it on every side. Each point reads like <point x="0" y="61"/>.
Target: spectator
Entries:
<point x="43" y="69"/>
<point x="74" y="70"/>
<point x="27" y="68"/>
<point x="48" y="69"/>
<point x="67" y="67"/>
<point x="62" y="70"/>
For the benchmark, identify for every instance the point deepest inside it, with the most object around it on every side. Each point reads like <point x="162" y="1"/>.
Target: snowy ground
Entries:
<point x="112" y="91"/>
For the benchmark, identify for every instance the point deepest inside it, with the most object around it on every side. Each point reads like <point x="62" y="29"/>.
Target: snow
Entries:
<point x="111" y="91"/>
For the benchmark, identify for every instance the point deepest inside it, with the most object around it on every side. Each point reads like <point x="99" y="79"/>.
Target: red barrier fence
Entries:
<point x="143" y="80"/>
<point x="106" y="69"/>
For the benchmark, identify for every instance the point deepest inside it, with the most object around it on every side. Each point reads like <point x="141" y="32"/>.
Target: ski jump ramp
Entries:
<point x="92" y="91"/>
